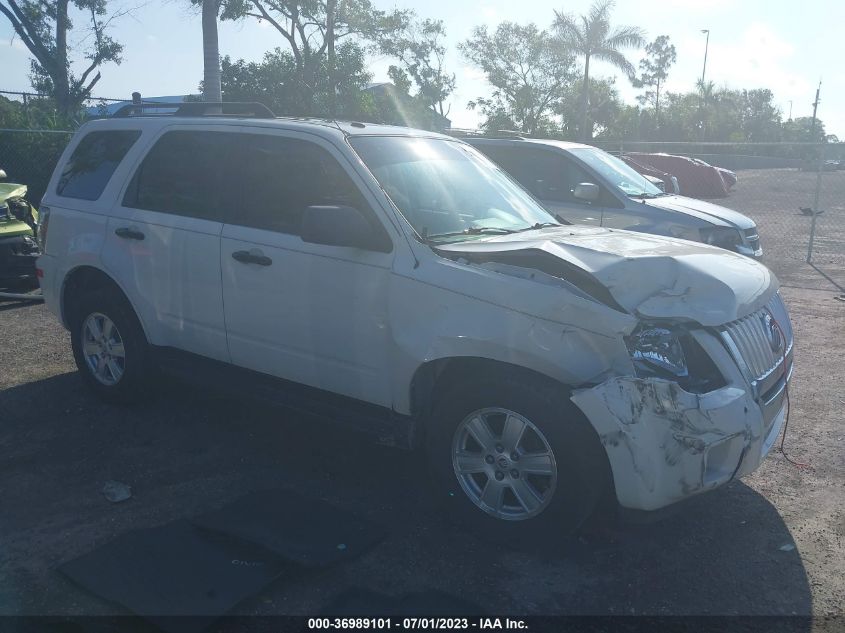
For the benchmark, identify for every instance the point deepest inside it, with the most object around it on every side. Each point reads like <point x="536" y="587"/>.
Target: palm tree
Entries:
<point x="210" y="52"/>
<point x="590" y="36"/>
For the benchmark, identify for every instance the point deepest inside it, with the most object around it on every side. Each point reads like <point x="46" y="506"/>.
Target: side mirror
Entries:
<point x="2" y="175"/>
<point x="339" y="226"/>
<point x="586" y="191"/>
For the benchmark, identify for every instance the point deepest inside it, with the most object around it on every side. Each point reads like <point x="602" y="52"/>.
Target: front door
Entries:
<point x="310" y="313"/>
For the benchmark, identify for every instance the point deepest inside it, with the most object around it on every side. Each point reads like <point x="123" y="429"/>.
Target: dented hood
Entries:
<point x="651" y="276"/>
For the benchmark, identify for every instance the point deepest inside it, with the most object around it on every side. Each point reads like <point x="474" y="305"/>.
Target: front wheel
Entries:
<point x="109" y="346"/>
<point x="514" y="459"/>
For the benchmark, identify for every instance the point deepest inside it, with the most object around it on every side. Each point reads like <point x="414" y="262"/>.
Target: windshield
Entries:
<point x="447" y="190"/>
<point x="617" y="173"/>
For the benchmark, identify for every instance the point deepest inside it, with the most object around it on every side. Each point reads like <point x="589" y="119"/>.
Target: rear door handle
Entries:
<point x="129" y="234"/>
<point x="255" y="257"/>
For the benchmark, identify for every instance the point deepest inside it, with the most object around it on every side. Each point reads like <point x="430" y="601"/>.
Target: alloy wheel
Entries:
<point x="504" y="464"/>
<point x="103" y="349"/>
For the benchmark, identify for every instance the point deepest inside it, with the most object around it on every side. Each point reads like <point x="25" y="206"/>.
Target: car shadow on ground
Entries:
<point x="186" y="451"/>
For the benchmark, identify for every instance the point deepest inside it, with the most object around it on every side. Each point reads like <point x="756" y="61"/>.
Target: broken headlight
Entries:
<point x="722" y="236"/>
<point x="657" y="351"/>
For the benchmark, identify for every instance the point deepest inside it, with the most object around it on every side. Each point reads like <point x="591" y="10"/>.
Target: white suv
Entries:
<point x="398" y="280"/>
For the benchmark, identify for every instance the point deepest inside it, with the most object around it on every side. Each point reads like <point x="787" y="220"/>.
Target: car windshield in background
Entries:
<point x="617" y="172"/>
<point x="446" y="190"/>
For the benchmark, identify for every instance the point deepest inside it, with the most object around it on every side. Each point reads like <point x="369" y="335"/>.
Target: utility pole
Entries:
<point x="702" y="100"/>
<point x="790" y="109"/>
<point x="815" y="109"/>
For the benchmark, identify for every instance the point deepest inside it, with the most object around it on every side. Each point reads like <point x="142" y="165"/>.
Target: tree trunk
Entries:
<point x="657" y="104"/>
<point x="585" y="103"/>
<point x="331" y="10"/>
<point x="59" y="72"/>
<point x="211" y="79"/>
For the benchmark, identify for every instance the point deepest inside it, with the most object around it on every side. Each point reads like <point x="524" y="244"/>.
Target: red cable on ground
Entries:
<point x="786" y="395"/>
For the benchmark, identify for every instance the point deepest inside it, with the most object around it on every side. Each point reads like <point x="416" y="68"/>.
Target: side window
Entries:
<point x="509" y="160"/>
<point x="93" y="162"/>
<point x="278" y="178"/>
<point x="547" y="175"/>
<point x="181" y="174"/>
<point x="553" y="177"/>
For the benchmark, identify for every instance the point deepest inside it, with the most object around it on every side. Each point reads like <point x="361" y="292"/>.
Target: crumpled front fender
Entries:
<point x="665" y="444"/>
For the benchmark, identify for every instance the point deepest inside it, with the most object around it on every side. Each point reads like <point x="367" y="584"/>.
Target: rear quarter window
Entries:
<point x="92" y="163"/>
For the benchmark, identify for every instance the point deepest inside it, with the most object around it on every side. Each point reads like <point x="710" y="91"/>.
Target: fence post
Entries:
<point x="815" y="207"/>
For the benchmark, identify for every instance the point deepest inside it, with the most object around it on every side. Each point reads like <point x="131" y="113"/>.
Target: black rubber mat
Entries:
<point x="176" y="570"/>
<point x="306" y="531"/>
<point x="365" y="603"/>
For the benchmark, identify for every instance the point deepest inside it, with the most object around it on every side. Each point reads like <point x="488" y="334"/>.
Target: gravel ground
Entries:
<point x="726" y="552"/>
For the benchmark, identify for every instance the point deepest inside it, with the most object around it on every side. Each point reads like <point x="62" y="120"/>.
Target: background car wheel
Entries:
<point x="514" y="460"/>
<point x="109" y="346"/>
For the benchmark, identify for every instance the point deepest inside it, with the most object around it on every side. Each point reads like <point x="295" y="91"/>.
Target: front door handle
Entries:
<point x="254" y="257"/>
<point x="129" y="234"/>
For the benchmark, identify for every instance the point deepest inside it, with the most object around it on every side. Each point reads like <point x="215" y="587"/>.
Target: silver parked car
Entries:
<point x="586" y="185"/>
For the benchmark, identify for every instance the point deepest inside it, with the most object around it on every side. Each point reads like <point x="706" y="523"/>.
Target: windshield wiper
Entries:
<point x="538" y="225"/>
<point x="474" y="230"/>
<point x="647" y="196"/>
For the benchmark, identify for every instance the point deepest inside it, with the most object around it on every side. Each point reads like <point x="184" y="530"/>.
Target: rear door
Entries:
<point x="550" y="177"/>
<point x="310" y="313"/>
<point x="163" y="240"/>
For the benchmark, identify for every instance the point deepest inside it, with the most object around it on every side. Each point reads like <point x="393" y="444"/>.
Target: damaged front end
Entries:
<point x="18" y="246"/>
<point x="669" y="437"/>
<point x="703" y="396"/>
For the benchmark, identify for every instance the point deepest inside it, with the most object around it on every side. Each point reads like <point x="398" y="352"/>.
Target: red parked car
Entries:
<point x="696" y="178"/>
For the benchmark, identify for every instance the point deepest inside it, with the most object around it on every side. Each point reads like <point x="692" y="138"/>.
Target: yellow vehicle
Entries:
<point x="18" y="245"/>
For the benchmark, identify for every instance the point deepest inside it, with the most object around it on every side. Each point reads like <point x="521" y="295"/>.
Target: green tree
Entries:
<point x="801" y="130"/>
<point x="313" y="31"/>
<point x="421" y="52"/>
<point x="654" y="69"/>
<point x="527" y="71"/>
<point x="44" y="28"/>
<point x="604" y="104"/>
<point x="761" y="119"/>
<point x="591" y="37"/>
<point x="275" y="82"/>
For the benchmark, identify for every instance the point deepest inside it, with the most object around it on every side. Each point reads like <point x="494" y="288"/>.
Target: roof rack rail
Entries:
<point x="501" y="134"/>
<point x="197" y="108"/>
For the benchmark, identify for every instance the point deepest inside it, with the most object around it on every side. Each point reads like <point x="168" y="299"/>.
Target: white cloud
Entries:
<point x="759" y="58"/>
<point x="697" y="5"/>
<point x="490" y="14"/>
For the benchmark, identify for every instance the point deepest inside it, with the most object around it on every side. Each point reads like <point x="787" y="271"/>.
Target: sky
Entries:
<point x="784" y="46"/>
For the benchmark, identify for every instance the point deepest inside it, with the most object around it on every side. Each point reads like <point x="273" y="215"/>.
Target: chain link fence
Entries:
<point x="795" y="192"/>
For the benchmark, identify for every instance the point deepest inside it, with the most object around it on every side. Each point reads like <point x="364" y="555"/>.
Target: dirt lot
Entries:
<point x="727" y="552"/>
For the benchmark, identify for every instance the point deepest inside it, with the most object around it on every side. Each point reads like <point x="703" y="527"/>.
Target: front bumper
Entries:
<point x="17" y="259"/>
<point x="665" y="444"/>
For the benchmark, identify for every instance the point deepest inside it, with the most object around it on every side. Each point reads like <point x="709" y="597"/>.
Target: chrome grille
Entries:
<point x="752" y="341"/>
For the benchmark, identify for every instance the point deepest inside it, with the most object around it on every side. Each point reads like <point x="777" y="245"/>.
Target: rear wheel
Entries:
<point x="515" y="460"/>
<point x="109" y="346"/>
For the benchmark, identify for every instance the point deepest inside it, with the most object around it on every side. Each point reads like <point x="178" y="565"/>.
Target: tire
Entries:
<point x="130" y="374"/>
<point x="580" y="476"/>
